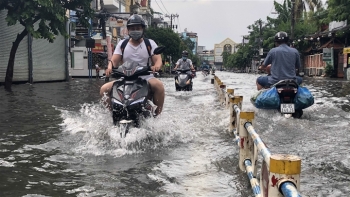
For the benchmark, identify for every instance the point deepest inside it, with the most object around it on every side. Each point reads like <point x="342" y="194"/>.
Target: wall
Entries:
<point x="48" y="58"/>
<point x="313" y="65"/>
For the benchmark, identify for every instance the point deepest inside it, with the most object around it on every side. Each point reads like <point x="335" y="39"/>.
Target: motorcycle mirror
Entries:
<point x="159" y="50"/>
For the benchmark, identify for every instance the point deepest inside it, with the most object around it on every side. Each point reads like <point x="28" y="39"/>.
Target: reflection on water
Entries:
<point x="58" y="140"/>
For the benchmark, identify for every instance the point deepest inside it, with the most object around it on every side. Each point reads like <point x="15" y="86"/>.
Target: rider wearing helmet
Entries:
<point x="282" y="62"/>
<point x="184" y="63"/>
<point x="136" y="51"/>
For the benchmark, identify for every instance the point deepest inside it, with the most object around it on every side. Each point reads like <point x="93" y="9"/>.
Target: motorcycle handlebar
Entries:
<point x="150" y="71"/>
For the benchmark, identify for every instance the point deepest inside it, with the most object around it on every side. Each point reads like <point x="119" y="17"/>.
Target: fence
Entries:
<point x="280" y="173"/>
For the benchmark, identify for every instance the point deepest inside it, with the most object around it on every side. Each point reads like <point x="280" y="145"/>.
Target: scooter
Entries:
<point x="287" y="90"/>
<point x="131" y="98"/>
<point x="183" y="82"/>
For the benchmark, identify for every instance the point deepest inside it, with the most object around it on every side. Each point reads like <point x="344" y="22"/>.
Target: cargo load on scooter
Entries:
<point x="286" y="96"/>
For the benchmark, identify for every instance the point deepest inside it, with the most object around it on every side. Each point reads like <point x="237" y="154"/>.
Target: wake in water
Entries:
<point x="91" y="131"/>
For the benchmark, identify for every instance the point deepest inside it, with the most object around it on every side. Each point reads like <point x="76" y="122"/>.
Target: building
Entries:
<point x="158" y="21"/>
<point x="37" y="60"/>
<point x="226" y="45"/>
<point x="327" y="49"/>
<point x="205" y="56"/>
<point x="82" y="61"/>
<point x="193" y="37"/>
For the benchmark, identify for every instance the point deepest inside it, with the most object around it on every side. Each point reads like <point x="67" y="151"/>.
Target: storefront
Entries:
<point x="346" y="52"/>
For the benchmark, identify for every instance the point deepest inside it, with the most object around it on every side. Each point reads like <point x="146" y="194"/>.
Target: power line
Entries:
<point x="159" y="7"/>
<point x="164" y="7"/>
<point x="179" y="24"/>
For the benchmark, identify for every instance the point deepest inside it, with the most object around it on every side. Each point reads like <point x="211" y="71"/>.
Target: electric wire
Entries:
<point x="159" y="7"/>
<point x="164" y="7"/>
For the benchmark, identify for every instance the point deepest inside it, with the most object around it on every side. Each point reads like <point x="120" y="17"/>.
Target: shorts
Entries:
<point x="264" y="81"/>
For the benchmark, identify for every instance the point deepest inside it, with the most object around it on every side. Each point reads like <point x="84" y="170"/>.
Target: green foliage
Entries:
<point x="241" y="58"/>
<point x="173" y="43"/>
<point x="190" y="45"/>
<point x="339" y="10"/>
<point x="167" y="38"/>
<point x="329" y="70"/>
<point x="50" y="15"/>
<point x="225" y="57"/>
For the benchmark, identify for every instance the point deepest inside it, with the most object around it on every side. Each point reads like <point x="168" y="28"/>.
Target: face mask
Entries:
<point x="184" y="58"/>
<point x="136" y="35"/>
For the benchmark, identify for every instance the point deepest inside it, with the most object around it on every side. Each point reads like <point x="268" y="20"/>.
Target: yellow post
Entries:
<point x="228" y="95"/>
<point x="246" y="150"/>
<point x="282" y="168"/>
<point x="234" y="118"/>
<point x="218" y="87"/>
<point x="222" y="94"/>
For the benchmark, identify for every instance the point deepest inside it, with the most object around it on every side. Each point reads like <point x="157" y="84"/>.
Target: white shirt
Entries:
<point x="184" y="64"/>
<point x="137" y="54"/>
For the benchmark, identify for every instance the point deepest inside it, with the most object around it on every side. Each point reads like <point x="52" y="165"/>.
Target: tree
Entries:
<point x="43" y="19"/>
<point x="339" y="10"/>
<point x="167" y="38"/>
<point x="225" y="58"/>
<point x="189" y="43"/>
<point x="173" y="43"/>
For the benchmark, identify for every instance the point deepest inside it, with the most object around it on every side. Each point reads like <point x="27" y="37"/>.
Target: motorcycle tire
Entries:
<point x="297" y="114"/>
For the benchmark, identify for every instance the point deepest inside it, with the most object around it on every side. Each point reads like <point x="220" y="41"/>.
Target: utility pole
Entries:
<point x="172" y="16"/>
<point x="292" y="21"/>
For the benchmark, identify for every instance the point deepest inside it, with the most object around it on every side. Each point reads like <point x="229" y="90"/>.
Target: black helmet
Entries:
<point x="136" y="20"/>
<point x="184" y="53"/>
<point x="281" y="37"/>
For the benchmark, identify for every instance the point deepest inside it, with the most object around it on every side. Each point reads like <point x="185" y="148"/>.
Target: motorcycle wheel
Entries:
<point x="297" y="114"/>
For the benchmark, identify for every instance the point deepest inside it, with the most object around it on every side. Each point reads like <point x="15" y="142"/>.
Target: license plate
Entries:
<point x="287" y="108"/>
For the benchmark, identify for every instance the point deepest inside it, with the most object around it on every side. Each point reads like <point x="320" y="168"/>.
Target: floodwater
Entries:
<point x="56" y="139"/>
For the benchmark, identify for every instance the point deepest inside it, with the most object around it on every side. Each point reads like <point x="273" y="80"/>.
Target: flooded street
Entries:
<point x="56" y="139"/>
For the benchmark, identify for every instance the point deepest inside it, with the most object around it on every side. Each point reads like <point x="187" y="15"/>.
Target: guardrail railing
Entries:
<point x="280" y="173"/>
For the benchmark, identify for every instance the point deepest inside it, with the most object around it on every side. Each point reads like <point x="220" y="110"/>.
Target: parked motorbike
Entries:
<point x="287" y="90"/>
<point x="131" y="98"/>
<point x="183" y="82"/>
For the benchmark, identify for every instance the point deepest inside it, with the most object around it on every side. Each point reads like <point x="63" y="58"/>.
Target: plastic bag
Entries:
<point x="303" y="99"/>
<point x="266" y="99"/>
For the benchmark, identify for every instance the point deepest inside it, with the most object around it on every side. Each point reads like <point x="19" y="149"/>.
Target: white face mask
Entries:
<point x="136" y="35"/>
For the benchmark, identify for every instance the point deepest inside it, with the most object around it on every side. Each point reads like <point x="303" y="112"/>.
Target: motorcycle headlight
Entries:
<point x="140" y="100"/>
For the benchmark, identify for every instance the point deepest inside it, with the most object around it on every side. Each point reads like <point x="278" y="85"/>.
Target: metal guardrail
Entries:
<point x="279" y="174"/>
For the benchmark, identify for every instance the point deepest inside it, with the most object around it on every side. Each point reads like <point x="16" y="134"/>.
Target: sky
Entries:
<point x="215" y="20"/>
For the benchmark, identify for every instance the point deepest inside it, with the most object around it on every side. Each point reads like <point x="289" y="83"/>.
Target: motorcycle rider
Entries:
<point x="281" y="63"/>
<point x="205" y="69"/>
<point x="185" y="63"/>
<point x="136" y="50"/>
